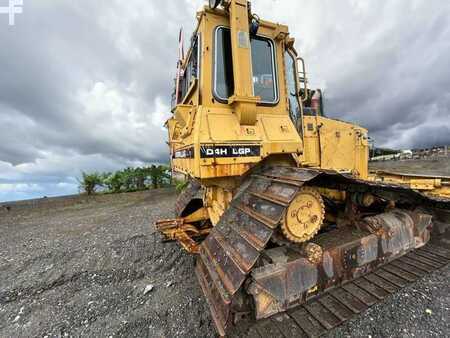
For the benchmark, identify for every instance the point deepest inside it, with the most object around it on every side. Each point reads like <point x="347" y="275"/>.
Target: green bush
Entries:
<point x="181" y="185"/>
<point x="113" y="182"/>
<point x="127" y="180"/>
<point x="159" y="175"/>
<point x="89" y="183"/>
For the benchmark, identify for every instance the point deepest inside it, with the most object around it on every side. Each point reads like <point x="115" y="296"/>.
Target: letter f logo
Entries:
<point x="14" y="7"/>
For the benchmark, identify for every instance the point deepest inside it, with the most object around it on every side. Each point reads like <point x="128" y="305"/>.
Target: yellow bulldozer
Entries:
<point x="281" y="210"/>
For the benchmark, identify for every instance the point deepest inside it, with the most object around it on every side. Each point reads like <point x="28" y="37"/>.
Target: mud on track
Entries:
<point x="79" y="267"/>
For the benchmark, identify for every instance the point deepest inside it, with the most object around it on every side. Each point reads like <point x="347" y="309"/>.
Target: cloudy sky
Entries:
<point x="85" y="85"/>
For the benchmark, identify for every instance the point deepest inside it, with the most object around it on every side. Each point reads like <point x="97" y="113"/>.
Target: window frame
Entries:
<point x="214" y="73"/>
<point x="191" y="79"/>
<point x="275" y="72"/>
<point x="298" y="122"/>
<point x="274" y="67"/>
<point x="291" y="54"/>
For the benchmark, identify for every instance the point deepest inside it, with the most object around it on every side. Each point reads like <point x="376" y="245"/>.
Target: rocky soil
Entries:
<point x="437" y="166"/>
<point x="96" y="268"/>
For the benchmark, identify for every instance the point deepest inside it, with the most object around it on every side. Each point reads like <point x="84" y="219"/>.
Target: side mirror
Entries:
<point x="214" y="3"/>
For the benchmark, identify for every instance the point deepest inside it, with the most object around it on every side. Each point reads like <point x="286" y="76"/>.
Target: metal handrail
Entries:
<point x="303" y="79"/>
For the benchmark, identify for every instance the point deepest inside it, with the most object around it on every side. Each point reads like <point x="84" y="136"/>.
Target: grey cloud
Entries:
<point x="400" y="81"/>
<point x="86" y="85"/>
<point x="57" y="49"/>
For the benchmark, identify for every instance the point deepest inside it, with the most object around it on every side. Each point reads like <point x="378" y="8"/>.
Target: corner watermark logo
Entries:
<point x="14" y="7"/>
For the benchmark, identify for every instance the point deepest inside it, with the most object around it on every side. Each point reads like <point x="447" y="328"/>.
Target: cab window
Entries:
<point x="263" y="66"/>
<point x="291" y="73"/>
<point x="223" y="72"/>
<point x="192" y="69"/>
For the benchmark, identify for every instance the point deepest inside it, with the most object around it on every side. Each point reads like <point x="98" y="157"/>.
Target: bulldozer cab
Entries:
<point x="266" y="74"/>
<point x="241" y="97"/>
<point x="212" y="40"/>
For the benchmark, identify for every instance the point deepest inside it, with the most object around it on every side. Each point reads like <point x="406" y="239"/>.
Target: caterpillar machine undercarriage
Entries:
<point x="292" y="234"/>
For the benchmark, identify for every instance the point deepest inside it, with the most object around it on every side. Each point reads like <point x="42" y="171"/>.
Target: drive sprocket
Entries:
<point x="304" y="216"/>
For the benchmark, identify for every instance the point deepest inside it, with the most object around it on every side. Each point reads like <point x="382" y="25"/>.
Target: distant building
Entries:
<point x="380" y="154"/>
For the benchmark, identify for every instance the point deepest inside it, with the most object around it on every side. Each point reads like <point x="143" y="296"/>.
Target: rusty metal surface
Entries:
<point x="396" y="192"/>
<point x="220" y="310"/>
<point x="232" y="251"/>
<point x="184" y="231"/>
<point x="279" y="286"/>
<point x="192" y="191"/>
<point x="331" y="309"/>
<point x="234" y="245"/>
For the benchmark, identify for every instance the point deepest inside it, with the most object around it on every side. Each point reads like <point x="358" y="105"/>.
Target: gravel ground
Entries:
<point x="438" y="166"/>
<point x="420" y="310"/>
<point x="82" y="269"/>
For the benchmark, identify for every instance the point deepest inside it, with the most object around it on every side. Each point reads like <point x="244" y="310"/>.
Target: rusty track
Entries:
<point x="331" y="309"/>
<point x="232" y="249"/>
<point x="192" y="191"/>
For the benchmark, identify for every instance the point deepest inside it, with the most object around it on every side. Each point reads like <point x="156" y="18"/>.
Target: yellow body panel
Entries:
<point x="335" y="145"/>
<point x="217" y="201"/>
<point x="437" y="186"/>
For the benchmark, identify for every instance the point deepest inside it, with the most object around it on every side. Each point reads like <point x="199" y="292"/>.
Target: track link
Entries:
<point x="333" y="308"/>
<point x="233" y="247"/>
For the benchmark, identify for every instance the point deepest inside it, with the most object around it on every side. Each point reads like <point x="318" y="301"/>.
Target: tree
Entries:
<point x="140" y="175"/>
<point x="127" y="180"/>
<point x="90" y="182"/>
<point x="159" y="175"/>
<point x="114" y="182"/>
